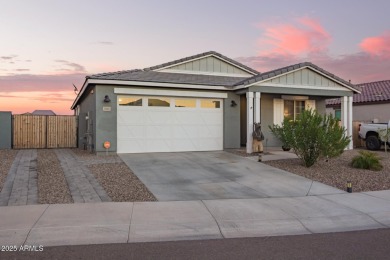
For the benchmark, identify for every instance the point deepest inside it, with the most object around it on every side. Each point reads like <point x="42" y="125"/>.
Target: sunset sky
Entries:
<point x="46" y="46"/>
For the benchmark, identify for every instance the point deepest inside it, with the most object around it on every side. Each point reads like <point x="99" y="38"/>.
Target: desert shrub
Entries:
<point x="312" y="136"/>
<point x="367" y="160"/>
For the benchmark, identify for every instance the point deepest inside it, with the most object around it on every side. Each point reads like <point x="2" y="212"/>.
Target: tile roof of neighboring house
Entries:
<point x="202" y="55"/>
<point x="166" y="77"/>
<point x="43" y="113"/>
<point x="378" y="91"/>
<point x="273" y="73"/>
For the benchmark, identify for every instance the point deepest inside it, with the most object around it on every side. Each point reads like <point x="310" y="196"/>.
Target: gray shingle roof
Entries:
<point x="272" y="73"/>
<point x="166" y="77"/>
<point x="378" y="91"/>
<point x="202" y="55"/>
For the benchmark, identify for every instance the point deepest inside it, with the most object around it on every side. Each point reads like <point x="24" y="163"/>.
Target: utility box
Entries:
<point x="5" y="130"/>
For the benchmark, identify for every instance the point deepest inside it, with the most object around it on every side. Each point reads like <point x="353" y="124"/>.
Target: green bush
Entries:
<point x="312" y="136"/>
<point x="367" y="160"/>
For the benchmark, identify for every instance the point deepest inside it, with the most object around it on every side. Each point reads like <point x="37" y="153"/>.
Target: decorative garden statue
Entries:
<point x="258" y="138"/>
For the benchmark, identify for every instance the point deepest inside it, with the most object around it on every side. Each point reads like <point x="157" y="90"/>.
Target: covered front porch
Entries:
<point x="277" y="96"/>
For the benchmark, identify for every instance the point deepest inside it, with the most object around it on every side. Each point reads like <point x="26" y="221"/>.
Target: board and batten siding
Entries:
<point x="305" y="77"/>
<point x="208" y="65"/>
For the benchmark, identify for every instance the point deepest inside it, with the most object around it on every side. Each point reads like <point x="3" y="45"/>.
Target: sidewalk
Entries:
<point x="110" y="222"/>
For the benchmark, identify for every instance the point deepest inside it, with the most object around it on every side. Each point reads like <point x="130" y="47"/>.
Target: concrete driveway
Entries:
<point x="217" y="175"/>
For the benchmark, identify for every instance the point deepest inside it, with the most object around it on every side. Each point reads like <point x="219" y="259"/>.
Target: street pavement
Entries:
<point x="371" y="244"/>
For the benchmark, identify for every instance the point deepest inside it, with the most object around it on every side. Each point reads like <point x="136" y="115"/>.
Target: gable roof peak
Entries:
<point x="200" y="55"/>
<point x="306" y="64"/>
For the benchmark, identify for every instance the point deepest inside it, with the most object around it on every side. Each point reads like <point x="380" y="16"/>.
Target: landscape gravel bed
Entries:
<point x="6" y="159"/>
<point x="120" y="183"/>
<point x="337" y="171"/>
<point x="52" y="185"/>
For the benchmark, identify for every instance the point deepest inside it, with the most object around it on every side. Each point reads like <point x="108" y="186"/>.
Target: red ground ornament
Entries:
<point x="107" y="145"/>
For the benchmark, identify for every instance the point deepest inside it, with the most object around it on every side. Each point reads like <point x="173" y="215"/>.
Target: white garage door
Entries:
<point x="169" y="124"/>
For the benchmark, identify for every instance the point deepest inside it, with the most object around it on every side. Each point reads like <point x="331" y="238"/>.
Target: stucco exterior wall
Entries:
<point x="87" y="106"/>
<point x="106" y="121"/>
<point x="231" y="122"/>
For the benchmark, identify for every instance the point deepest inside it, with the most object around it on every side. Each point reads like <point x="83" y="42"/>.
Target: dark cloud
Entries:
<point x="8" y="57"/>
<point x="22" y="69"/>
<point x="105" y="43"/>
<point x="73" y="66"/>
<point x="29" y="83"/>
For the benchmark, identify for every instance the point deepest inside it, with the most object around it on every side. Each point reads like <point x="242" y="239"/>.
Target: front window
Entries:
<point x="293" y="108"/>
<point x="337" y="114"/>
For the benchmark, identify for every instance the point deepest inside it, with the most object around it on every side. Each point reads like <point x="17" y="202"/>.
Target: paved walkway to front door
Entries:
<point x="21" y="184"/>
<point x="82" y="184"/>
<point x="20" y="187"/>
<point x="217" y="175"/>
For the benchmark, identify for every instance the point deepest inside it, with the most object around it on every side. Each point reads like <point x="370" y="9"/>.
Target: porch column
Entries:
<point x="257" y="107"/>
<point x="249" y="121"/>
<point x="344" y="115"/>
<point x="350" y="119"/>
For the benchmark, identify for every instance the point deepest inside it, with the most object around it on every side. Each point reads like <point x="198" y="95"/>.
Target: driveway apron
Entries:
<point x="20" y="187"/>
<point x="217" y="175"/>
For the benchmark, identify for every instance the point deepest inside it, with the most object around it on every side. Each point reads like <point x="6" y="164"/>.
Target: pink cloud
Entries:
<point x="307" y="40"/>
<point x="306" y="35"/>
<point x="26" y="93"/>
<point x="378" y="45"/>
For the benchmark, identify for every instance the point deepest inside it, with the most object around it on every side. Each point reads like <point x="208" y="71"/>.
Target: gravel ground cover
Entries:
<point x="6" y="159"/>
<point x="52" y="185"/>
<point x="120" y="183"/>
<point x="337" y="171"/>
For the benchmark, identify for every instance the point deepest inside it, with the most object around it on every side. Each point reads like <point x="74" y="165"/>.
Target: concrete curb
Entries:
<point x="128" y="222"/>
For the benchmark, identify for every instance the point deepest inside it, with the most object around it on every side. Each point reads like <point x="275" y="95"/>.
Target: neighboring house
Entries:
<point x="43" y="113"/>
<point x="199" y="103"/>
<point x="371" y="105"/>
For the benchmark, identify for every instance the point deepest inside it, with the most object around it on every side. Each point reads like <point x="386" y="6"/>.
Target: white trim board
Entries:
<point x="266" y="84"/>
<point x="155" y="84"/>
<point x="171" y="93"/>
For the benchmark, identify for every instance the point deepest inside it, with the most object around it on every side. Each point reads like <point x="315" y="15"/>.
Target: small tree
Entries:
<point x="312" y="136"/>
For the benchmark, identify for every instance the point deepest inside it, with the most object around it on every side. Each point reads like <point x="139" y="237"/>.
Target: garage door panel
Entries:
<point x="131" y="131"/>
<point x="161" y="131"/>
<point x="133" y="145"/>
<point x="158" y="145"/>
<point x="131" y="118"/>
<point x="185" y="131"/>
<point x="188" y="118"/>
<point x="211" y="118"/>
<point x="158" y="118"/>
<point x="184" y="144"/>
<point x="169" y="129"/>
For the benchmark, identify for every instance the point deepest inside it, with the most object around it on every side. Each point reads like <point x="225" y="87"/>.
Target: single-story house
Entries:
<point x="371" y="105"/>
<point x="199" y="103"/>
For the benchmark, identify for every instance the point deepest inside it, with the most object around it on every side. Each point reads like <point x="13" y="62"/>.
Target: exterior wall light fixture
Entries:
<point x="106" y="99"/>
<point x="233" y="103"/>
